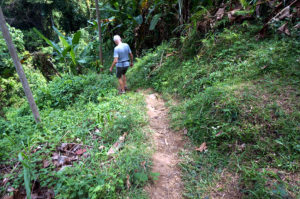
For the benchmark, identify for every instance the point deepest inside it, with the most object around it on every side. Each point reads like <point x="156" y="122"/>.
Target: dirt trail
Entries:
<point x="167" y="144"/>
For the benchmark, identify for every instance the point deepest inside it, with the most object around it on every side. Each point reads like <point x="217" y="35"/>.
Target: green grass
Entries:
<point x="241" y="97"/>
<point x="85" y="110"/>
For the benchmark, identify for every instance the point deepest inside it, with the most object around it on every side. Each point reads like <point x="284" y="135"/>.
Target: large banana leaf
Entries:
<point x="76" y="38"/>
<point x="61" y="37"/>
<point x="154" y="21"/>
<point x="73" y="57"/>
<point x="51" y="43"/>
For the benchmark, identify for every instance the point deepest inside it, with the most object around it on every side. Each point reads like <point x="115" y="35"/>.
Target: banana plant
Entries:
<point x="68" y="48"/>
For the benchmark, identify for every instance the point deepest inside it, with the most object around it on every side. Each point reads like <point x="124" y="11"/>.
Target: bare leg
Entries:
<point x="124" y="81"/>
<point x="121" y="84"/>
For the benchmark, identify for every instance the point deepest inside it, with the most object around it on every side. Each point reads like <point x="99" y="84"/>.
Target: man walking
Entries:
<point x="121" y="58"/>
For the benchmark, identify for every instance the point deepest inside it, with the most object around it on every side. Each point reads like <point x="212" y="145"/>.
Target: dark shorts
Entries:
<point x="121" y="71"/>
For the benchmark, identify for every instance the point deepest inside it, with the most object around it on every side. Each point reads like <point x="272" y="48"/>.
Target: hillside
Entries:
<point x="212" y="109"/>
<point x="240" y="96"/>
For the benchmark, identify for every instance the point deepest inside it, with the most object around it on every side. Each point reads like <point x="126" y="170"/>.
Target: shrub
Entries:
<point x="64" y="91"/>
<point x="6" y="63"/>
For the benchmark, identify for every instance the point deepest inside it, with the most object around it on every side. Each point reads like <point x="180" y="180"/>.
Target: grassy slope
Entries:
<point x="241" y="97"/>
<point x="72" y="109"/>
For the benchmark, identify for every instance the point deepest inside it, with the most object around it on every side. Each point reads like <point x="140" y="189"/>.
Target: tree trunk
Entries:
<point x="99" y="30"/>
<point x="20" y="71"/>
<point x="87" y="2"/>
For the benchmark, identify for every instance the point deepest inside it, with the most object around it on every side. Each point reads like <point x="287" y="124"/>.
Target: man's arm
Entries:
<point x="131" y="59"/>
<point x="114" y="63"/>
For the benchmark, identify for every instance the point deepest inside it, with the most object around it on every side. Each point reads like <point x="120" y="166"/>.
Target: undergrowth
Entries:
<point x="84" y="110"/>
<point x="241" y="97"/>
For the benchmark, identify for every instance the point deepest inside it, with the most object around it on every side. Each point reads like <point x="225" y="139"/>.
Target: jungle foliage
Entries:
<point x="232" y="66"/>
<point x="240" y="96"/>
<point x="82" y="111"/>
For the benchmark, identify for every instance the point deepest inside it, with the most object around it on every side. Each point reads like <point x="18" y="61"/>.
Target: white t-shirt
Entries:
<point x="122" y="51"/>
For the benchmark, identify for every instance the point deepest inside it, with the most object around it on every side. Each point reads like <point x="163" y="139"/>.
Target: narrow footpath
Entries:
<point x="167" y="144"/>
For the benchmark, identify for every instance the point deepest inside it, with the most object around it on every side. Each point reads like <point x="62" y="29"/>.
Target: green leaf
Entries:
<point x="66" y="50"/>
<point x="64" y="42"/>
<point x="76" y="38"/>
<point x="82" y="61"/>
<point x="116" y="4"/>
<point x="26" y="174"/>
<point x="52" y="44"/>
<point x="57" y="31"/>
<point x="139" y="19"/>
<point x="141" y="177"/>
<point x="61" y="37"/>
<point x="72" y="53"/>
<point x="154" y="21"/>
<point x="154" y="175"/>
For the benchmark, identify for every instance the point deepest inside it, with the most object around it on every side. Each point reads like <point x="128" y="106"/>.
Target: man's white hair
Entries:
<point x="117" y="38"/>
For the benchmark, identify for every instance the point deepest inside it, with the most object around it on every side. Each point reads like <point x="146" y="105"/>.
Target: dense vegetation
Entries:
<point x="241" y="97"/>
<point x="232" y="69"/>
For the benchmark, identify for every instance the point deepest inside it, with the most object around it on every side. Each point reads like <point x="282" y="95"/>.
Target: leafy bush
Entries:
<point x="6" y="63"/>
<point x="11" y="92"/>
<point x="96" y="118"/>
<point x="64" y="91"/>
<point x="32" y="42"/>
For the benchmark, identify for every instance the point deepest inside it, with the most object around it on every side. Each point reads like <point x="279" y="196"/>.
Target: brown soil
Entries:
<point x="167" y="144"/>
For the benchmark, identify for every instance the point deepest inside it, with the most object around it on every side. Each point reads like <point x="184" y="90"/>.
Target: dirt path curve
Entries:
<point x="167" y="144"/>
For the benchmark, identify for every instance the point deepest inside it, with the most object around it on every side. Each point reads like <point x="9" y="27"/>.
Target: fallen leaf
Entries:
<point x="185" y="131"/>
<point x="86" y="155"/>
<point x="128" y="181"/>
<point x="10" y="189"/>
<point x="202" y="147"/>
<point x="50" y="194"/>
<point x="264" y="67"/>
<point x="232" y="14"/>
<point x="220" y="13"/>
<point x="55" y="156"/>
<point x="241" y="147"/>
<point x="297" y="26"/>
<point x="34" y="196"/>
<point x="218" y="134"/>
<point x="101" y="147"/>
<point x="80" y="151"/>
<point x="5" y="180"/>
<point x="143" y="165"/>
<point x="116" y="146"/>
<point x="46" y="163"/>
<point x="63" y="146"/>
<point x="284" y="29"/>
<point x="61" y="160"/>
<point x="285" y="13"/>
<point x="37" y="149"/>
<point x="76" y="148"/>
<point x="169" y="54"/>
<point x="73" y="158"/>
